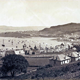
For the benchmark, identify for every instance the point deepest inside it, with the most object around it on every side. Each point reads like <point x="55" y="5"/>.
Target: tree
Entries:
<point x="77" y="47"/>
<point x="35" y="48"/>
<point x="14" y="64"/>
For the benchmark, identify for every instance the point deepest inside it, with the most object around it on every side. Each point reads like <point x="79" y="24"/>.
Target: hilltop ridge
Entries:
<point x="62" y="29"/>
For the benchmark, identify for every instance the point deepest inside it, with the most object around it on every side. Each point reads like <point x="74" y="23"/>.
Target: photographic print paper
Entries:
<point x="40" y="39"/>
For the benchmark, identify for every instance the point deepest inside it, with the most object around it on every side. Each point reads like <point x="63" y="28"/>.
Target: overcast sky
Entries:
<point x="39" y="12"/>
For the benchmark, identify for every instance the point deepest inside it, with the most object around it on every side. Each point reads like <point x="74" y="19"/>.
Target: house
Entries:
<point x="19" y="52"/>
<point x="2" y="53"/>
<point x="32" y="52"/>
<point x="59" y="59"/>
<point x="74" y="56"/>
<point x="41" y="51"/>
<point x="26" y="50"/>
<point x="24" y="46"/>
<point x="7" y="52"/>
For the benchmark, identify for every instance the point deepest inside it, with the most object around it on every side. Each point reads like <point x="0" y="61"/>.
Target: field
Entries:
<point x="38" y="61"/>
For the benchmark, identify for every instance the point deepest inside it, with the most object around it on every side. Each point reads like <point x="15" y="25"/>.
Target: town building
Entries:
<point x="59" y="59"/>
<point x="74" y="56"/>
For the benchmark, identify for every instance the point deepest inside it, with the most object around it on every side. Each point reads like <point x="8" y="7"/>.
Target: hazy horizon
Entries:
<point x="39" y="13"/>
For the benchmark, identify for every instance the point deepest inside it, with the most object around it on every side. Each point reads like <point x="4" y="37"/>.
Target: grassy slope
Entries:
<point x="62" y="29"/>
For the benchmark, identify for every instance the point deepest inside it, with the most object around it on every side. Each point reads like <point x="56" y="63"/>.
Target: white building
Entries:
<point x="60" y="60"/>
<point x="74" y="56"/>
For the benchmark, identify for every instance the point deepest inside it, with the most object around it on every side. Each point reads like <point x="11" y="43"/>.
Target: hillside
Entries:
<point x="61" y="29"/>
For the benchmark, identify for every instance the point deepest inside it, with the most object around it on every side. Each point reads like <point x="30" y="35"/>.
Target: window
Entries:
<point x="63" y="62"/>
<point x="67" y="60"/>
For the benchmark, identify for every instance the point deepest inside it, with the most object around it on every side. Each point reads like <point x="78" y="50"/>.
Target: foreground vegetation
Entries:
<point x="13" y="65"/>
<point x="16" y="64"/>
<point x="56" y="72"/>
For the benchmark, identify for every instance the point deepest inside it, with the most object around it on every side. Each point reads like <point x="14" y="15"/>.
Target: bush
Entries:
<point x="40" y="68"/>
<point x="47" y="66"/>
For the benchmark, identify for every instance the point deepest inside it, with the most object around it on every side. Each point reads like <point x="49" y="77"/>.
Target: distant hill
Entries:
<point x="62" y="29"/>
<point x="59" y="30"/>
<point x="13" y="29"/>
<point x="19" y="32"/>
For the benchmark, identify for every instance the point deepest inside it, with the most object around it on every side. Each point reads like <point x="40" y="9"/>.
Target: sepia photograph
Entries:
<point x="39" y="39"/>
